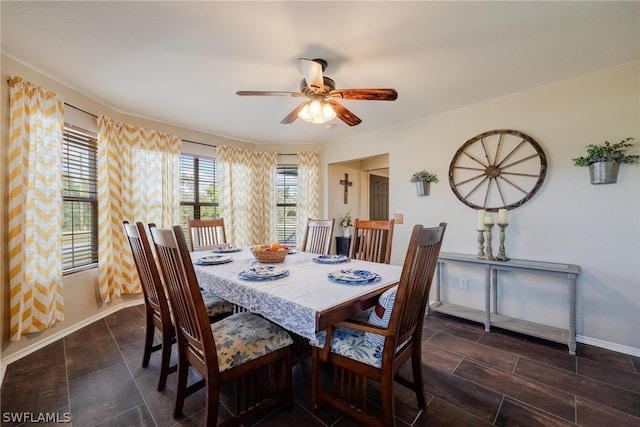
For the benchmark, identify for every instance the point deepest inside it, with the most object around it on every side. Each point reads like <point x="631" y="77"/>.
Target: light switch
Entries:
<point x="397" y="218"/>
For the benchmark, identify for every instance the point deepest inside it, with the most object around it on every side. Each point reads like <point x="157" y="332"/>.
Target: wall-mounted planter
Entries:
<point x="422" y="188"/>
<point x="604" y="172"/>
<point x="604" y="160"/>
<point x="422" y="180"/>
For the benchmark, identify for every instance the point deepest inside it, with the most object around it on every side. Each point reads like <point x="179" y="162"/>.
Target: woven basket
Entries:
<point x="269" y="257"/>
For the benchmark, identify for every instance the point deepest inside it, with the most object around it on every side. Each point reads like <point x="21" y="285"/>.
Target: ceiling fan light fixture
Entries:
<point x="317" y="111"/>
<point x="320" y="88"/>
<point x="315" y="108"/>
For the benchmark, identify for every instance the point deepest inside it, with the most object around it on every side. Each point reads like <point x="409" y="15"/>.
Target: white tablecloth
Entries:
<point x="293" y="301"/>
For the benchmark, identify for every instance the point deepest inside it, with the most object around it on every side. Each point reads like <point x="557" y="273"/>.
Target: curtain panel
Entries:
<point x="308" y="190"/>
<point x="36" y="122"/>
<point x="138" y="180"/>
<point x="247" y="186"/>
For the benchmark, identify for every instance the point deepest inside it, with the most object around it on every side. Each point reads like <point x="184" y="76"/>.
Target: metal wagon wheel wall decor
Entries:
<point x="497" y="169"/>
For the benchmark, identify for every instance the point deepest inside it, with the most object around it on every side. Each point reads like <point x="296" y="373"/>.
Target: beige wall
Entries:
<point x="335" y="199"/>
<point x="568" y="221"/>
<point x="82" y="301"/>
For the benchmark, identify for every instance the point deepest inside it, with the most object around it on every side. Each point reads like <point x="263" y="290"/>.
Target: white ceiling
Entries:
<point x="182" y="62"/>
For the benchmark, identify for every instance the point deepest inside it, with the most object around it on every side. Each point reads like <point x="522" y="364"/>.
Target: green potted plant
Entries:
<point x="604" y="160"/>
<point x="423" y="179"/>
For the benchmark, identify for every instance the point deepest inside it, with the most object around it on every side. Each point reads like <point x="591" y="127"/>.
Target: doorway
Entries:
<point x="358" y="192"/>
<point x="378" y="197"/>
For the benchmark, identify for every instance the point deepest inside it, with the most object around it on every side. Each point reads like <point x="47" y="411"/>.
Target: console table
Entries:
<point x="489" y="317"/>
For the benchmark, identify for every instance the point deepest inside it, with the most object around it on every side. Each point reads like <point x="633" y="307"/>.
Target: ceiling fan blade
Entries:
<point x="267" y="93"/>
<point x="312" y="72"/>
<point x="345" y="115"/>
<point x="292" y="116"/>
<point x="365" y="94"/>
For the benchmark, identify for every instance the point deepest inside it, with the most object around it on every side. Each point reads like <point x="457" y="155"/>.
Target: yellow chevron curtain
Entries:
<point x="35" y="208"/>
<point x="138" y="180"/>
<point x="247" y="186"/>
<point x="308" y="189"/>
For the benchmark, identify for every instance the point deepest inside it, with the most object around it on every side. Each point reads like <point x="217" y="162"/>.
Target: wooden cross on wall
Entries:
<point x="346" y="183"/>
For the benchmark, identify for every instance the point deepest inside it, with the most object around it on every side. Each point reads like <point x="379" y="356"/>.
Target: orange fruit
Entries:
<point x="275" y="246"/>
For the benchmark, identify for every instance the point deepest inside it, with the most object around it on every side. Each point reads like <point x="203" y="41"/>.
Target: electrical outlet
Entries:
<point x="464" y="283"/>
<point x="397" y="218"/>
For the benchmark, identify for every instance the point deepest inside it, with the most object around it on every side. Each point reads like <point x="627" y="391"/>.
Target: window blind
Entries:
<point x="79" y="198"/>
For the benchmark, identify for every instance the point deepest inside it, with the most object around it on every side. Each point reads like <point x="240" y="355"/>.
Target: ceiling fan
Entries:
<point x="323" y="95"/>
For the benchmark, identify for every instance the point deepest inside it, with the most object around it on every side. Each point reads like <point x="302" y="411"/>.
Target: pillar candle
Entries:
<point x="481" y="214"/>
<point x="503" y="216"/>
<point x="488" y="220"/>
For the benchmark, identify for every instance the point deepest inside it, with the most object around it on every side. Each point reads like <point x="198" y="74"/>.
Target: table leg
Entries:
<point x="487" y="296"/>
<point x="439" y="278"/>
<point x="572" y="314"/>
<point x="494" y="285"/>
<point x="301" y="348"/>
<point x="438" y="281"/>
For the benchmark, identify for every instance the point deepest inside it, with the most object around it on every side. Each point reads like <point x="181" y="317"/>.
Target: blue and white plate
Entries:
<point x="213" y="260"/>
<point x="226" y="250"/>
<point x="353" y="276"/>
<point x="330" y="259"/>
<point x="264" y="272"/>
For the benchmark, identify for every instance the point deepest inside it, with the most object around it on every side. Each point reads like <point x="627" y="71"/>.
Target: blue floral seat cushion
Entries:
<point x="244" y="336"/>
<point x="215" y="305"/>
<point x="365" y="347"/>
<point x="350" y="343"/>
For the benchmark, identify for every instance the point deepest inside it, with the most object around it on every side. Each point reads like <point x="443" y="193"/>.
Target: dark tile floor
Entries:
<point x="473" y="378"/>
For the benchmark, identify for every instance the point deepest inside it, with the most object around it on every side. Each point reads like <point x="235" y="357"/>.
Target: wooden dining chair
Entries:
<point x="244" y="349"/>
<point x="156" y="303"/>
<point x="371" y="240"/>
<point x="318" y="235"/>
<point x="205" y="233"/>
<point x="361" y="351"/>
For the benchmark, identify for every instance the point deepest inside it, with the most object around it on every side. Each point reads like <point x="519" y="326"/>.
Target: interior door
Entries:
<point x="378" y="197"/>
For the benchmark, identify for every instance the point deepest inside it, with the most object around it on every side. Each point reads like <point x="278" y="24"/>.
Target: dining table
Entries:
<point x="303" y="296"/>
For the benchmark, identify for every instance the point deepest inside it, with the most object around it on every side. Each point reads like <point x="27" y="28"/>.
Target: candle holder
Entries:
<point x="501" y="253"/>
<point x="480" y="253"/>
<point x="489" y="251"/>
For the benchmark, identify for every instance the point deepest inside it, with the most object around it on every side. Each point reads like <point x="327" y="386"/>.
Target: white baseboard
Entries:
<point x="55" y="337"/>
<point x="632" y="351"/>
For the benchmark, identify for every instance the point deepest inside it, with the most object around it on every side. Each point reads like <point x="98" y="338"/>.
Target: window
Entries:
<point x="79" y="198"/>
<point x="198" y="189"/>
<point x="287" y="204"/>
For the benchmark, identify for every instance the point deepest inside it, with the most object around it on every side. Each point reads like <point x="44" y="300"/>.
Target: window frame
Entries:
<point x="196" y="204"/>
<point x="84" y="145"/>
<point x="281" y="230"/>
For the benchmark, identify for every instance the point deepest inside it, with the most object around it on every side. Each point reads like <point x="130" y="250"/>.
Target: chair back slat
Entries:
<point x="372" y="241"/>
<point x="206" y="232"/>
<point x="146" y="265"/>
<point x="412" y="295"/>
<point x="318" y="235"/>
<point x="192" y="323"/>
